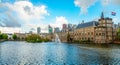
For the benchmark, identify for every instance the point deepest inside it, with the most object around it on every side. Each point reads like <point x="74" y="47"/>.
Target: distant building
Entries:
<point x="70" y="27"/>
<point x="118" y="25"/>
<point x="101" y="31"/>
<point x="50" y="29"/>
<point x="21" y="36"/>
<point x="9" y="36"/>
<point x="64" y="28"/>
<point x="74" y="27"/>
<point x="56" y="30"/>
<point x="38" y="30"/>
<point x="115" y="26"/>
<point x="85" y="31"/>
<point x="30" y="32"/>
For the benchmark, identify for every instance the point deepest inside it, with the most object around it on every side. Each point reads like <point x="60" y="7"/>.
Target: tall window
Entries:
<point x="88" y="33"/>
<point x="91" y="33"/>
<point x="96" y="34"/>
<point x="109" y="25"/>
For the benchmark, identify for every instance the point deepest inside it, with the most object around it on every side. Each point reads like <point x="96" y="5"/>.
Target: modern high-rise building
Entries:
<point x="56" y="30"/>
<point x="64" y="27"/>
<point x="30" y="31"/>
<point x="70" y="27"/>
<point x="50" y="29"/>
<point x="119" y="25"/>
<point x="38" y="30"/>
<point x="115" y="26"/>
<point x="74" y="26"/>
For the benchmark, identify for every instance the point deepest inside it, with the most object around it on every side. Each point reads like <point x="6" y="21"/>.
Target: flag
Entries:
<point x="113" y="13"/>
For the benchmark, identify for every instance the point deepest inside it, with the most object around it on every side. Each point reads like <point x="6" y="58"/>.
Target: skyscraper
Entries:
<point x="56" y="30"/>
<point x="64" y="27"/>
<point x="50" y="29"/>
<point x="118" y="25"/>
<point x="69" y="27"/>
<point x="38" y="30"/>
<point x="74" y="26"/>
<point x="30" y="31"/>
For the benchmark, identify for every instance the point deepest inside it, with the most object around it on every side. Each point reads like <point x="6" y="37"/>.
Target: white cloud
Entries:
<point x="44" y="27"/>
<point x="116" y="2"/>
<point x="26" y="12"/>
<point x="84" y="4"/>
<point x="105" y="2"/>
<point x="116" y="20"/>
<point x="10" y="30"/>
<point x="22" y="0"/>
<point x="59" y="21"/>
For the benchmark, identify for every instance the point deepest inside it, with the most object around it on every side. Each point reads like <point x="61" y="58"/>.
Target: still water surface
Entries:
<point x="50" y="53"/>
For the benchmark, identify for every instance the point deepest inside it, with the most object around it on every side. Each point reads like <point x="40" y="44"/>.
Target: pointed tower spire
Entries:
<point x="82" y="21"/>
<point x="102" y="15"/>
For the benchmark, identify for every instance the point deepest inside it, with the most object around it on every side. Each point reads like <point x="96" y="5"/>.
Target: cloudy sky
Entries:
<point x="25" y="15"/>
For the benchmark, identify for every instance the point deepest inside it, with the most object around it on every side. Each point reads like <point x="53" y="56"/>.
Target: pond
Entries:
<point x="50" y="53"/>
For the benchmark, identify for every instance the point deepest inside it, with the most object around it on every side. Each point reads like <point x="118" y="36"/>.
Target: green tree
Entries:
<point x="4" y="36"/>
<point x="14" y="36"/>
<point x="35" y="38"/>
<point x="119" y="34"/>
<point x="1" y="36"/>
<point x="68" y="37"/>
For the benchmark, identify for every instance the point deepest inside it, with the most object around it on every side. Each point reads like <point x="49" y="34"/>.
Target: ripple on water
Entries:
<point x="22" y="53"/>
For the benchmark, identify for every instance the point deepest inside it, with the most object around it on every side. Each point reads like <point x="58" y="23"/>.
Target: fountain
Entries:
<point x="57" y="39"/>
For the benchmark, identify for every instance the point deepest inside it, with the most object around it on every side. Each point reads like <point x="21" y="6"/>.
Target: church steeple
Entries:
<point x="82" y="21"/>
<point x="102" y="15"/>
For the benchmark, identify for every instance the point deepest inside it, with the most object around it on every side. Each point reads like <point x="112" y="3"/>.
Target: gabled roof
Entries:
<point x="108" y="18"/>
<point x="87" y="24"/>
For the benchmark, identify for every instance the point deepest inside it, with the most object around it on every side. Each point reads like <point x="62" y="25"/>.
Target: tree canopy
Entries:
<point x="3" y="36"/>
<point x="35" y="38"/>
<point x="14" y="36"/>
<point x="119" y="34"/>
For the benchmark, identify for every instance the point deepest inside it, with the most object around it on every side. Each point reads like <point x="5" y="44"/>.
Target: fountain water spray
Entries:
<point x="57" y="39"/>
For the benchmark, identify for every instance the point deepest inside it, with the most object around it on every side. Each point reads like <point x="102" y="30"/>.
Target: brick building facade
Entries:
<point x="100" y="31"/>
